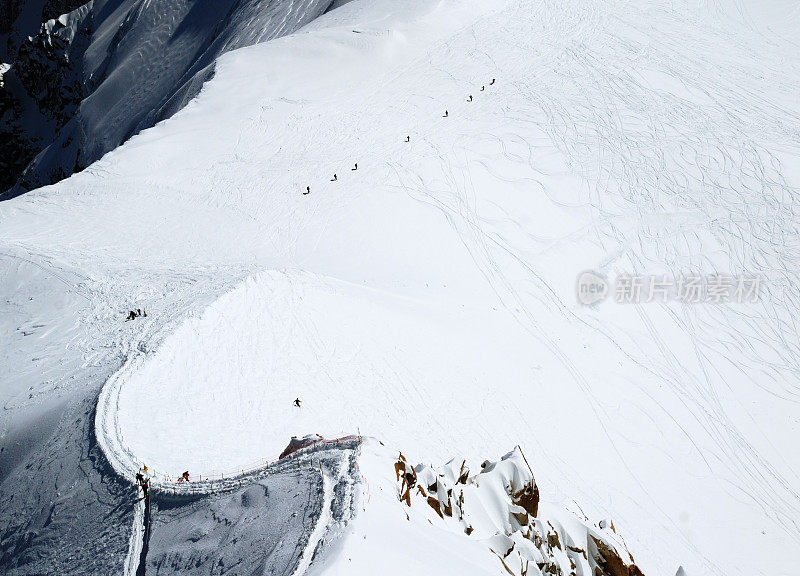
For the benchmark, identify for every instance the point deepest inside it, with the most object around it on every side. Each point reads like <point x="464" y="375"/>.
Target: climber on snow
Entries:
<point x="355" y="167"/>
<point x="297" y="402"/>
<point x="143" y="483"/>
<point x="308" y="190"/>
<point x="335" y="178"/>
<point x="134" y="314"/>
<point x="184" y="477"/>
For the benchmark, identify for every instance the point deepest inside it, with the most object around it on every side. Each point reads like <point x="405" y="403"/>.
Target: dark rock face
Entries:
<point x="49" y="65"/>
<point x="96" y="73"/>
<point x="43" y="89"/>
<point x="16" y="148"/>
<point x="22" y="18"/>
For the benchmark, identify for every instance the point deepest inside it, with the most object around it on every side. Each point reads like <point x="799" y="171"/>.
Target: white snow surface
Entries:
<point x="428" y="298"/>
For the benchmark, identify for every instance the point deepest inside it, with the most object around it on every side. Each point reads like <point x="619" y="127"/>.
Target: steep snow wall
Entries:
<point x="277" y="522"/>
<point x="92" y="78"/>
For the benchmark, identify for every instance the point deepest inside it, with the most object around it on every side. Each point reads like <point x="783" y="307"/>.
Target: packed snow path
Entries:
<point x="428" y="297"/>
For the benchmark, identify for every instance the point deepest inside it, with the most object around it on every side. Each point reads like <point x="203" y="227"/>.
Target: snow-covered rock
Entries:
<point x="498" y="505"/>
<point x="461" y="518"/>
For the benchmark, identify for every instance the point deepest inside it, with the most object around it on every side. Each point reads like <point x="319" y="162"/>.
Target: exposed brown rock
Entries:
<point x="528" y="498"/>
<point x="448" y="508"/>
<point x="463" y="475"/>
<point x="609" y="562"/>
<point x="580" y="551"/>
<point x="521" y="518"/>
<point x="434" y="503"/>
<point x="553" y="541"/>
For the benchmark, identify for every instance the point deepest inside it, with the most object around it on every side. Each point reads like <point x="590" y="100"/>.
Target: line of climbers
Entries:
<point x="144" y="482"/>
<point x="408" y="138"/>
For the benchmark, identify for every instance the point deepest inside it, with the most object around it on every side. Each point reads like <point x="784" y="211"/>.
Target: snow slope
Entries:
<point x="127" y="64"/>
<point x="428" y="298"/>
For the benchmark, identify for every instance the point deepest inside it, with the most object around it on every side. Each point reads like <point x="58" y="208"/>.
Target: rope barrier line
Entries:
<point x="220" y="484"/>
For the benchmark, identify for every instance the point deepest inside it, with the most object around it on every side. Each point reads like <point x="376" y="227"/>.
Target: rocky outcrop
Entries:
<point x="20" y="19"/>
<point x="49" y="65"/>
<point x="16" y="147"/>
<point x="42" y="90"/>
<point x="500" y="507"/>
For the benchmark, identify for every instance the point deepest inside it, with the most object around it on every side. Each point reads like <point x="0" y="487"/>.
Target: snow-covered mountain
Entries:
<point x="381" y="210"/>
<point x="91" y="77"/>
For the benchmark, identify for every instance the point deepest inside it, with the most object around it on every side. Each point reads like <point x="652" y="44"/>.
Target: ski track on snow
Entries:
<point x="630" y="172"/>
<point x="688" y="152"/>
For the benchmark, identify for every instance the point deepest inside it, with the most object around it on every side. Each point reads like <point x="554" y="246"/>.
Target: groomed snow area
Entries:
<point x="428" y="298"/>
